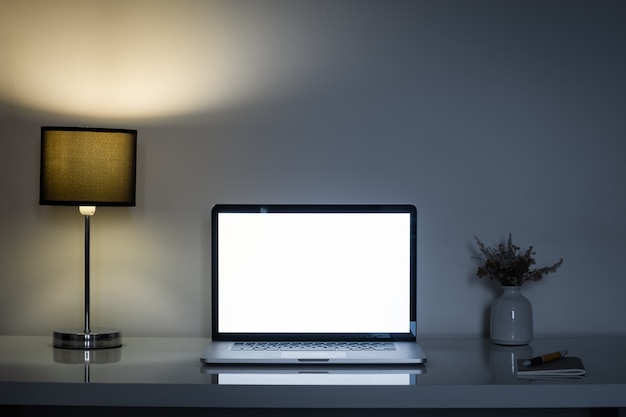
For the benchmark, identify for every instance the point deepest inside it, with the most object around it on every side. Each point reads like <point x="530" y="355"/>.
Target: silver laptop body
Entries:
<point x="313" y="284"/>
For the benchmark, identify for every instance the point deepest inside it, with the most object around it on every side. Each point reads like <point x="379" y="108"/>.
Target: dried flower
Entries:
<point x="506" y="264"/>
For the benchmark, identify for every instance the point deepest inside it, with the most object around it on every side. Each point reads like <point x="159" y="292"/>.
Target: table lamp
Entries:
<point x="87" y="167"/>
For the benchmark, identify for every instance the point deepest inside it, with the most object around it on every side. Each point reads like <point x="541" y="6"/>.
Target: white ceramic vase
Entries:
<point x="511" y="318"/>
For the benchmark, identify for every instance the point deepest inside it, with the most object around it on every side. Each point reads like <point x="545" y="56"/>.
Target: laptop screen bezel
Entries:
<point x="217" y="335"/>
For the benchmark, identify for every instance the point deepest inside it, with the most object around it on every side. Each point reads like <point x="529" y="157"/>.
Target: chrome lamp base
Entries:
<point x="96" y="338"/>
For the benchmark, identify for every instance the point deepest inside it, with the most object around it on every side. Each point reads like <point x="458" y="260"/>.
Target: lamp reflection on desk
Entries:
<point x="87" y="167"/>
<point x="86" y="357"/>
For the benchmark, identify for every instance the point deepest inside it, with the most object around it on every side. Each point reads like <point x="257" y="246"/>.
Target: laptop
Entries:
<point x="313" y="284"/>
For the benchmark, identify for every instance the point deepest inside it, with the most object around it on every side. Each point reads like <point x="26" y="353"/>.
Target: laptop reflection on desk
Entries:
<point x="314" y="375"/>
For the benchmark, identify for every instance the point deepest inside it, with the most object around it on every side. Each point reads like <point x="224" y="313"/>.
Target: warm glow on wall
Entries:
<point x="145" y="58"/>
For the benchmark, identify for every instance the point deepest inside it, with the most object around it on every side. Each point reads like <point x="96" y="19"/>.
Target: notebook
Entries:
<point x="569" y="367"/>
<point x="313" y="284"/>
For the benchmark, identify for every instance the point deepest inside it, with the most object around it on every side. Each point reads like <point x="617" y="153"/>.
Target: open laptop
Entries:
<point x="313" y="284"/>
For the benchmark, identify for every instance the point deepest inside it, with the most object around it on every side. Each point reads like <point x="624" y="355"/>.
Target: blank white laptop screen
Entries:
<point x="312" y="272"/>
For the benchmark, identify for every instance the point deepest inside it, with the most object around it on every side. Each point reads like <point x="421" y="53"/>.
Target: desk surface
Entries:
<point x="166" y="372"/>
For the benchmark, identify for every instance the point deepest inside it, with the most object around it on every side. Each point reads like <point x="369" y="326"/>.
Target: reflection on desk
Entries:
<point x="314" y="375"/>
<point x="86" y="358"/>
<point x="167" y="372"/>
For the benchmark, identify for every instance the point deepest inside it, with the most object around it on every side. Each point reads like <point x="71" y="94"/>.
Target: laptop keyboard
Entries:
<point x="314" y="346"/>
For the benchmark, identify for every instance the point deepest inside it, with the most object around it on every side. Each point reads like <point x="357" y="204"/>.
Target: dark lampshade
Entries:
<point x="87" y="167"/>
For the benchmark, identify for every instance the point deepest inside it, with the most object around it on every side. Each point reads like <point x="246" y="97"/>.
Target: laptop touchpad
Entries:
<point x="313" y="355"/>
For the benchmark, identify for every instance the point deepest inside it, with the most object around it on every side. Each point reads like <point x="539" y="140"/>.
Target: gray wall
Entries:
<point x="490" y="116"/>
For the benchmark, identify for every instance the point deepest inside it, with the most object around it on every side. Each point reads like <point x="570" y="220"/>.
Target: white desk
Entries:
<point x="460" y="374"/>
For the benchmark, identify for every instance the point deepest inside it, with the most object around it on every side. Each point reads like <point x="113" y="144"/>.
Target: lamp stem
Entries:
<point x="87" y="290"/>
<point x="88" y="338"/>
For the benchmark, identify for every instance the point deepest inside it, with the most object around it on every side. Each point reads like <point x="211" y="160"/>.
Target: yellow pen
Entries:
<point x="545" y="358"/>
